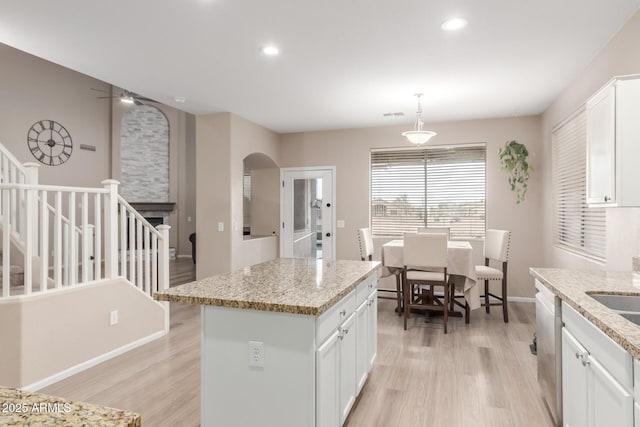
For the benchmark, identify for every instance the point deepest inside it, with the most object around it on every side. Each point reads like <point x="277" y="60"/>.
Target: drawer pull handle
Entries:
<point x="343" y="313"/>
<point x="586" y="362"/>
<point x="578" y="354"/>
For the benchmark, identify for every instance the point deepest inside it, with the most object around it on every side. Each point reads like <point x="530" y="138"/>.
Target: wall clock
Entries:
<point x="49" y="142"/>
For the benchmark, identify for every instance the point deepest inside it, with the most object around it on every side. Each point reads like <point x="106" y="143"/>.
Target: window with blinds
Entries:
<point x="432" y="187"/>
<point x="578" y="228"/>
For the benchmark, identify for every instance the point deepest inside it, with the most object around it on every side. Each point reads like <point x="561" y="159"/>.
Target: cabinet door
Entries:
<point x="327" y="371"/>
<point x="609" y="403"/>
<point x="362" y="343"/>
<point x="574" y="382"/>
<point x="347" y="364"/>
<point x="372" y="342"/>
<point x="601" y="185"/>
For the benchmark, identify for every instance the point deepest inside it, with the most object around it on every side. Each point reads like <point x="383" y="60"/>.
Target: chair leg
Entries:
<point x="445" y="315"/>
<point x="505" y="312"/>
<point x="399" y="295"/>
<point x="467" y="312"/>
<point x="486" y="296"/>
<point x="405" y="292"/>
<point x="452" y="296"/>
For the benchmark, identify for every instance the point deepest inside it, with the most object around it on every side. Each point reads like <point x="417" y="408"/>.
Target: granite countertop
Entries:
<point x="23" y="408"/>
<point x="289" y="285"/>
<point x="574" y="287"/>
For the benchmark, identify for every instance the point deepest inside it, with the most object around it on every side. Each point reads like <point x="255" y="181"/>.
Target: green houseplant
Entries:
<point x="513" y="160"/>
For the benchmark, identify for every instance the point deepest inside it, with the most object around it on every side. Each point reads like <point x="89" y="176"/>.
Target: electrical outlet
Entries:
<point x="340" y="223"/>
<point x="113" y="320"/>
<point x="221" y="226"/>
<point x="256" y="354"/>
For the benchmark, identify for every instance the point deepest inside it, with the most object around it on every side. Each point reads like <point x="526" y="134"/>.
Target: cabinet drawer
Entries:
<point x="332" y="318"/>
<point x="616" y="359"/>
<point x="365" y="288"/>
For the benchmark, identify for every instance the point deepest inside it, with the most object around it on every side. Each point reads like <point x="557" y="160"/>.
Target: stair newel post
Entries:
<point x="31" y="224"/>
<point x="111" y="228"/>
<point x="163" y="258"/>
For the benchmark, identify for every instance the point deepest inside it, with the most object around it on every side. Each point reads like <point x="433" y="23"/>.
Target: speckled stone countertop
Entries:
<point x="289" y="285"/>
<point x="574" y="287"/>
<point x="23" y="408"/>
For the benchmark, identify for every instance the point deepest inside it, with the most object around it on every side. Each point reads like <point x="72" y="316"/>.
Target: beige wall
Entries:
<point x="247" y="138"/>
<point x="348" y="150"/>
<point x="213" y="194"/>
<point x="265" y="202"/>
<point x="48" y="334"/>
<point x="222" y="143"/>
<point x="620" y="56"/>
<point x="33" y="89"/>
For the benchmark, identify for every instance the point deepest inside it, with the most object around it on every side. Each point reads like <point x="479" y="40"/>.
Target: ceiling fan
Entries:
<point x="126" y="96"/>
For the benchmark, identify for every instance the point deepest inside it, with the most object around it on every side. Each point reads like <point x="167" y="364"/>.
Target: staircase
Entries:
<point x="55" y="237"/>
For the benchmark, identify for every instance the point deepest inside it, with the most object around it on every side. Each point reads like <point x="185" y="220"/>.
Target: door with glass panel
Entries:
<point x="307" y="213"/>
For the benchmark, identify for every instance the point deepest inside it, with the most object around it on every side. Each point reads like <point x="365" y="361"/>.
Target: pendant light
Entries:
<point x="418" y="136"/>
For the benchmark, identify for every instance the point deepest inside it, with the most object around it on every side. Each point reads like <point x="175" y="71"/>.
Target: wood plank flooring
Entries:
<point x="481" y="374"/>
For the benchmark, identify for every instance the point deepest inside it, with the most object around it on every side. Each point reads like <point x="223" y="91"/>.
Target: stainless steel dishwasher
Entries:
<point x="549" y="341"/>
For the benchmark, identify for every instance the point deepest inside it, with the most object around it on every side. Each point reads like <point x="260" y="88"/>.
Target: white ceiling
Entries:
<point x="343" y="63"/>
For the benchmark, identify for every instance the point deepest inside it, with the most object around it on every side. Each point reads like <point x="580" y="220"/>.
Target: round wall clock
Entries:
<point x="49" y="142"/>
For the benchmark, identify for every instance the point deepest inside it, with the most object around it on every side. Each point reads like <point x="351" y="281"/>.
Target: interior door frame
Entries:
<point x="332" y="170"/>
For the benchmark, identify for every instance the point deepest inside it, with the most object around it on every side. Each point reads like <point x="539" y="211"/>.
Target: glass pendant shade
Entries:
<point x="418" y="136"/>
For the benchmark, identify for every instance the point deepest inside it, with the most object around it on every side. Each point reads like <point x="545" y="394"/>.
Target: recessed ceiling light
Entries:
<point x="180" y="99"/>
<point x="454" y="24"/>
<point x="270" y="50"/>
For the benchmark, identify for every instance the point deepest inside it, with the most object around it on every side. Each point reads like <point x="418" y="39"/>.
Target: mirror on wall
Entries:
<point x="260" y="196"/>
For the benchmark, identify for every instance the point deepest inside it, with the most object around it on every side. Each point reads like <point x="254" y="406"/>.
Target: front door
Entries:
<point x="307" y="213"/>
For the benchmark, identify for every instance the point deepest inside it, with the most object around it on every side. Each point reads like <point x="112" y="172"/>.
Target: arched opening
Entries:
<point x="260" y="196"/>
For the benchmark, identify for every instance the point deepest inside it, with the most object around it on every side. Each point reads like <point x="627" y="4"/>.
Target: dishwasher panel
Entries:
<point x="549" y="340"/>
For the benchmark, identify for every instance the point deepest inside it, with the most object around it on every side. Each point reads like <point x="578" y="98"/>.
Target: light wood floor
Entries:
<point x="481" y="374"/>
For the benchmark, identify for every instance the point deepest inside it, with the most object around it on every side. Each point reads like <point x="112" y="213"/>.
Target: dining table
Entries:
<point x="460" y="266"/>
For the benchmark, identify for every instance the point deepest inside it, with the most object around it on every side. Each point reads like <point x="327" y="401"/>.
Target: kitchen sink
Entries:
<point x="627" y="303"/>
<point x="632" y="317"/>
<point x="627" y="306"/>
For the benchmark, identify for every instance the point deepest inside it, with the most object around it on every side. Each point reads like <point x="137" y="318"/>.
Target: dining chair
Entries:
<point x="496" y="248"/>
<point x="445" y="230"/>
<point x="365" y="240"/>
<point x="425" y="266"/>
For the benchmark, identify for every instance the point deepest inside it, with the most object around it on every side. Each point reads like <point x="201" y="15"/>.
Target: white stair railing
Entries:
<point x="72" y="247"/>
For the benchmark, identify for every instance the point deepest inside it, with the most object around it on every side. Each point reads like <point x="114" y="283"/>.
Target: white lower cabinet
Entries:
<point x="574" y="382"/>
<point x="345" y="358"/>
<point x="610" y="403"/>
<point x="597" y="376"/>
<point x="327" y="368"/>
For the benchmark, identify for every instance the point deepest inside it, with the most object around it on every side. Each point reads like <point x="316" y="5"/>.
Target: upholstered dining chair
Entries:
<point x="425" y="259"/>
<point x="445" y="230"/>
<point x="496" y="248"/>
<point x="365" y="240"/>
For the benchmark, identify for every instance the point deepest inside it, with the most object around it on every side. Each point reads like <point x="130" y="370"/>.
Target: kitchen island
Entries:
<point x="288" y="342"/>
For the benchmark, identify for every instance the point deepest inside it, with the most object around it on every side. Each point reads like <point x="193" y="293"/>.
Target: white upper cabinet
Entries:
<point x="613" y="144"/>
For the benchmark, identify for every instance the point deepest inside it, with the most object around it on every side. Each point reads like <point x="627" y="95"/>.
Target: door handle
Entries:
<point x="328" y="234"/>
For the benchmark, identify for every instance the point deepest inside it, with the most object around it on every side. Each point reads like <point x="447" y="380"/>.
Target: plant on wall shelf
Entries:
<point x="513" y="160"/>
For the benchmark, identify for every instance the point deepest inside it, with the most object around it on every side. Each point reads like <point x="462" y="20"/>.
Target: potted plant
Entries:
<point x="513" y="160"/>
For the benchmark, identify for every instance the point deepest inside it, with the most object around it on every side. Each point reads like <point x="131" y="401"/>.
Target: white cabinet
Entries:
<point x="574" y="382"/>
<point x="327" y="369"/>
<point x="347" y="366"/>
<point x="597" y="376"/>
<point x="610" y="403"/>
<point x="372" y="319"/>
<point x="613" y="148"/>
<point x="345" y="357"/>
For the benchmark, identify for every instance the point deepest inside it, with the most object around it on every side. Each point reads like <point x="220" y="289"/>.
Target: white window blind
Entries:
<point x="578" y="228"/>
<point x="432" y="187"/>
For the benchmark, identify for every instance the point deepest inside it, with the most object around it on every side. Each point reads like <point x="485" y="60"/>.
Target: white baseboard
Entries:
<point x="521" y="299"/>
<point x="93" y="362"/>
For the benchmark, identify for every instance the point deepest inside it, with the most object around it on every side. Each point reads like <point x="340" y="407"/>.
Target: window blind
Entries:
<point x="432" y="187"/>
<point x="577" y="227"/>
